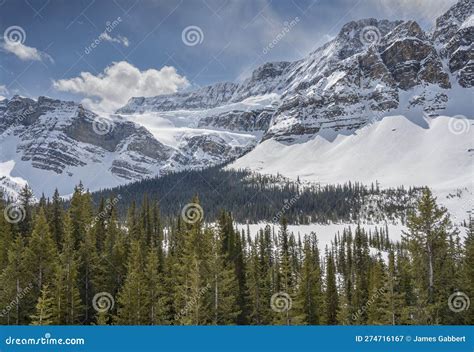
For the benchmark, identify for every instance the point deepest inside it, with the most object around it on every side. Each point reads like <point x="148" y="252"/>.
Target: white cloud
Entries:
<point x="24" y="52"/>
<point x="124" y="40"/>
<point x="118" y="39"/>
<point x="119" y="82"/>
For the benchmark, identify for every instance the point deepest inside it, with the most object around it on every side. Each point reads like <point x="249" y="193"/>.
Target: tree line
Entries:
<point x="254" y="197"/>
<point x="82" y="265"/>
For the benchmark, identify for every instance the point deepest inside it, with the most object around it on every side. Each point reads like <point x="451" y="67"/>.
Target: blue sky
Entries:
<point x="141" y="47"/>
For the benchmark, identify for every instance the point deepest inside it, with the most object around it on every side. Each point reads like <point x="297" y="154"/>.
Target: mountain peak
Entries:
<point x="353" y="28"/>
<point x="355" y="36"/>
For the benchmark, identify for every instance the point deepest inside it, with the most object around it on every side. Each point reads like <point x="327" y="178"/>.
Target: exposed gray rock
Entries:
<point x="253" y="120"/>
<point x="411" y="58"/>
<point x="454" y="35"/>
<point x="205" y="150"/>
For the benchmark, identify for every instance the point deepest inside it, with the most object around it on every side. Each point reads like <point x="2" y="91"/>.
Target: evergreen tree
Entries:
<point x="88" y="271"/>
<point x="112" y="269"/>
<point x="99" y="225"/>
<point x="25" y="200"/>
<point x="80" y="212"/>
<point x="192" y="278"/>
<point x="427" y="239"/>
<point x="135" y="229"/>
<point x="347" y="312"/>
<point x="44" y="309"/>
<point x="156" y="300"/>
<point x="67" y="300"/>
<point x="234" y="256"/>
<point x="331" y="294"/>
<point x="310" y="297"/>
<point x="56" y="223"/>
<point x="393" y="295"/>
<point x="286" y="272"/>
<point x="468" y="271"/>
<point x="223" y="285"/>
<point x="16" y="295"/>
<point x="132" y="298"/>
<point x="260" y="278"/>
<point x="407" y="286"/>
<point x="41" y="255"/>
<point x="361" y="269"/>
<point x="146" y="218"/>
<point x="376" y="305"/>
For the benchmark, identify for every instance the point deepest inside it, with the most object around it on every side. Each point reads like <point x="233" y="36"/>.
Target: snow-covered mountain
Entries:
<point x="55" y="144"/>
<point x="372" y="68"/>
<point x="384" y="100"/>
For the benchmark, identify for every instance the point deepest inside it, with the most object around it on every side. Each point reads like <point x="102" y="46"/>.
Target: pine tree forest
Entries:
<point x="83" y="264"/>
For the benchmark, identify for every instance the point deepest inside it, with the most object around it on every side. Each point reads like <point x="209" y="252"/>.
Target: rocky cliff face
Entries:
<point x="59" y="136"/>
<point x="361" y="76"/>
<point x="454" y="36"/>
<point x="238" y="120"/>
<point x="204" y="150"/>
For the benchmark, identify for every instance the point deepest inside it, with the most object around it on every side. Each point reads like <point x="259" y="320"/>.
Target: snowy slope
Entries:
<point x="393" y="151"/>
